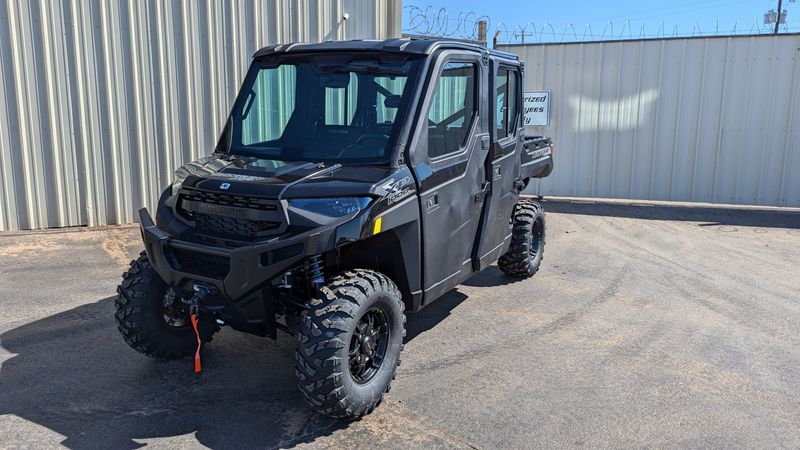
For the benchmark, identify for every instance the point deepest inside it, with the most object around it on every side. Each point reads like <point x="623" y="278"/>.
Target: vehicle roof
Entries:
<point x="400" y="45"/>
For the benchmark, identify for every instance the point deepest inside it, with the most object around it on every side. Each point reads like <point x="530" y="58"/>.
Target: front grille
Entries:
<point x="239" y="201"/>
<point x="231" y="216"/>
<point x="233" y="226"/>
<point x="212" y="266"/>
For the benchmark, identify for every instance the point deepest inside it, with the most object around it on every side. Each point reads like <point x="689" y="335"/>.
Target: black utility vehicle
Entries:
<point x="352" y="181"/>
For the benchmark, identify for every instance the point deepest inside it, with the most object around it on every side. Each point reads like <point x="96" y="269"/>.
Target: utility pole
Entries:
<point x="778" y="22"/>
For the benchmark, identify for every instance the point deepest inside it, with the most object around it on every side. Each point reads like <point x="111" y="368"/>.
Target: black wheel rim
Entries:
<point x="368" y="345"/>
<point x="537" y="238"/>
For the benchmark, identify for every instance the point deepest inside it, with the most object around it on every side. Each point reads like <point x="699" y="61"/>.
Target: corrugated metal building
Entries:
<point x="714" y="119"/>
<point x="101" y="100"/>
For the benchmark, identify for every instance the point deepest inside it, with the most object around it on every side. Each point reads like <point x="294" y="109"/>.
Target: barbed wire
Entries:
<point x="432" y="21"/>
<point x="546" y="32"/>
<point x="437" y="22"/>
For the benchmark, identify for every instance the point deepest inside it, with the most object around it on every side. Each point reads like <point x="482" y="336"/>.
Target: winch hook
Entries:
<point x="200" y="294"/>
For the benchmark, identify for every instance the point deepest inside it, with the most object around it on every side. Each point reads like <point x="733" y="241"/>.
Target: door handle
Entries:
<point x="484" y="189"/>
<point x="432" y="202"/>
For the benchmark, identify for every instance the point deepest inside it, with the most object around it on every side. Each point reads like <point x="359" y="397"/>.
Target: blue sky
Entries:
<point x="683" y="13"/>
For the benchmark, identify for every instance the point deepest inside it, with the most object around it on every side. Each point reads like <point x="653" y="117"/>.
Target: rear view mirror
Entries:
<point x="335" y="80"/>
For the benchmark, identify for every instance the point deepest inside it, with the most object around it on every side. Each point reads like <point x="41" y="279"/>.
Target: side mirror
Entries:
<point x="392" y="101"/>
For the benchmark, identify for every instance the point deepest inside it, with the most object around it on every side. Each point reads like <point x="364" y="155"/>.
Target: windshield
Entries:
<point x="326" y="108"/>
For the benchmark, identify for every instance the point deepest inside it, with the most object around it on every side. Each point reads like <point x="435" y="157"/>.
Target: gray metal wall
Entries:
<point x="699" y="119"/>
<point x="101" y="100"/>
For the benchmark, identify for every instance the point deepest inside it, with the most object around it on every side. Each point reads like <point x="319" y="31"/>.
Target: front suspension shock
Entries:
<point x="315" y="273"/>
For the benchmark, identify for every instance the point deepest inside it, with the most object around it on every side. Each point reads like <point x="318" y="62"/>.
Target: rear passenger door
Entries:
<point x="503" y="164"/>
<point x="451" y="145"/>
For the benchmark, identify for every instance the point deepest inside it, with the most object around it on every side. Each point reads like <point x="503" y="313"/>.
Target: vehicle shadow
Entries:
<point x="73" y="374"/>
<point x="706" y="215"/>
<point x="431" y="315"/>
<point x="491" y="276"/>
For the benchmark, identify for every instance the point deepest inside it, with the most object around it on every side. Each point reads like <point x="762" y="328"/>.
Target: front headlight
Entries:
<point x="331" y="207"/>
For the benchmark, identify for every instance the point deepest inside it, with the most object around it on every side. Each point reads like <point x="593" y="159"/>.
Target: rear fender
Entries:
<point x="537" y="158"/>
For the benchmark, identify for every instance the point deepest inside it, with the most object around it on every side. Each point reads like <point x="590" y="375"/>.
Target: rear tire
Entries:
<point x="141" y="319"/>
<point x="525" y="254"/>
<point x="349" y="344"/>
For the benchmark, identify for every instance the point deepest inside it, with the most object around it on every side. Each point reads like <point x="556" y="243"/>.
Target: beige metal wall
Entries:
<point x="101" y="100"/>
<point x="700" y="119"/>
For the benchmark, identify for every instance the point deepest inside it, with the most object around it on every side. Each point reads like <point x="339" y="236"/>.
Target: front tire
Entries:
<point x="146" y="324"/>
<point x="349" y="344"/>
<point x="525" y="254"/>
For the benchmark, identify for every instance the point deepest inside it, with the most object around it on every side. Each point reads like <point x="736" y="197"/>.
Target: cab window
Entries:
<point x="506" y="97"/>
<point x="452" y="109"/>
<point x="268" y="109"/>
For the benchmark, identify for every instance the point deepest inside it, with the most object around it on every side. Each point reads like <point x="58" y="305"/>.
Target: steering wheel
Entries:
<point x="367" y="136"/>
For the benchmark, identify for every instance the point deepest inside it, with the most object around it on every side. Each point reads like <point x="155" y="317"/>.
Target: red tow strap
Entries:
<point x="195" y="321"/>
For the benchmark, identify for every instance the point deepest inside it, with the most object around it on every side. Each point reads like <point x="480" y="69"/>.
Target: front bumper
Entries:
<point x="237" y="272"/>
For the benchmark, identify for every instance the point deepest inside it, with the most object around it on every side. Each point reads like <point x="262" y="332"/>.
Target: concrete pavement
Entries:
<point x="647" y="326"/>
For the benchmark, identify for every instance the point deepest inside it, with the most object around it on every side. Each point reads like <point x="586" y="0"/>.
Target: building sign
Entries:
<point x="536" y="106"/>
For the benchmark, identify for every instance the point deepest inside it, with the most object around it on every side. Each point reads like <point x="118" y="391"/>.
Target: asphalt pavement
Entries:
<point x="647" y="326"/>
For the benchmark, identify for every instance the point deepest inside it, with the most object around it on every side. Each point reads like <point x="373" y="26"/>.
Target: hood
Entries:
<point x="271" y="178"/>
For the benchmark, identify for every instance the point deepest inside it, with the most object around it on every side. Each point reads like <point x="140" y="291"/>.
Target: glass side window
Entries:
<point x="271" y="102"/>
<point x="452" y="109"/>
<point x="506" y="97"/>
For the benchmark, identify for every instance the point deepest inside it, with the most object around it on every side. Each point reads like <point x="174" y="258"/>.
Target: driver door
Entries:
<point x="451" y="148"/>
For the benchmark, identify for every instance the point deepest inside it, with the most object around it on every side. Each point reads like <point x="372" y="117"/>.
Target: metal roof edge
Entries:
<point x="397" y="45"/>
